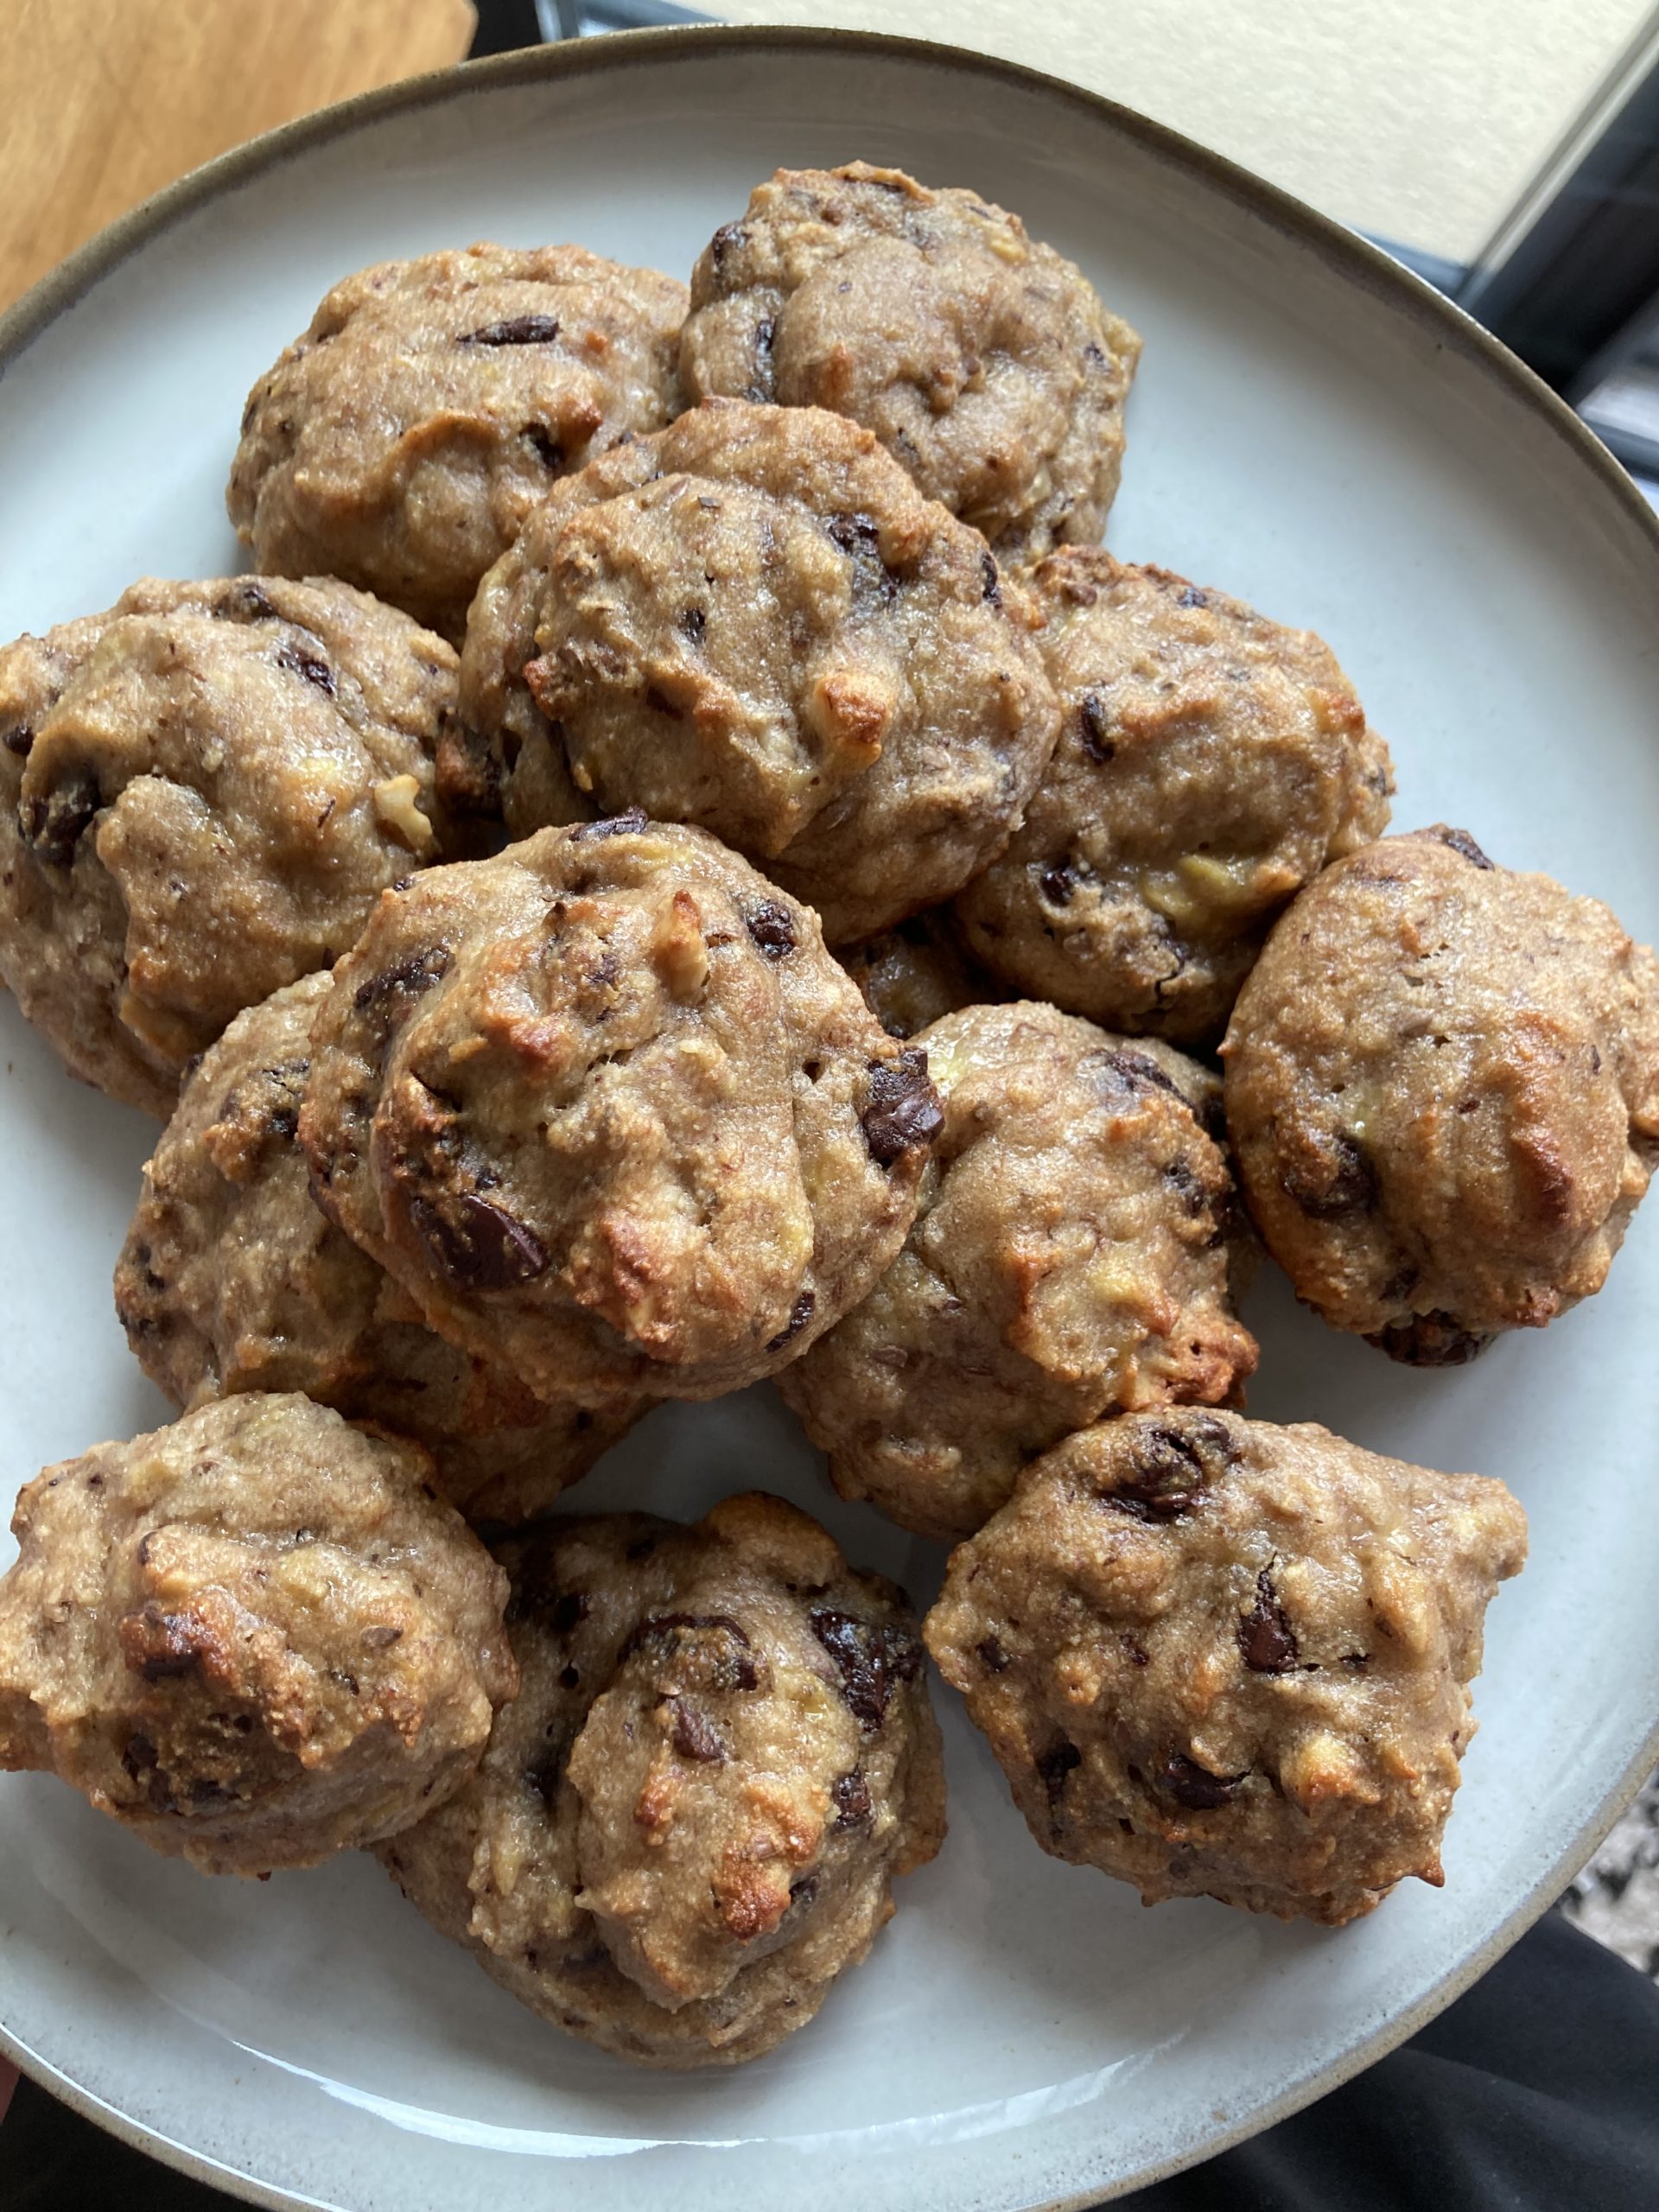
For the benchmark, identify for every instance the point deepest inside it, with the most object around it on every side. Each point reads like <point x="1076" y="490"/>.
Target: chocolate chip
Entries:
<point x="476" y="1243"/>
<point x="799" y="1314"/>
<point x="989" y="581"/>
<point x="568" y="1678"/>
<point x="1338" y="1180"/>
<point x="726" y="239"/>
<point x="1265" y="1636"/>
<point x="547" y="445"/>
<point x="522" y="330"/>
<point x="299" y="660"/>
<point x="1190" y="595"/>
<point x="54" y="825"/>
<point x="852" y="1794"/>
<point x="991" y="1655"/>
<point x="694" y="1736"/>
<point x="1430" y="1340"/>
<point x="1092" y="354"/>
<point x="141" y="1760"/>
<point x="733" y="1670"/>
<point x="1124" y="1072"/>
<point x="415" y="973"/>
<point x="802" y="1893"/>
<point x="1195" y="1787"/>
<point x="660" y="703"/>
<point x="903" y="1109"/>
<point x="628" y="823"/>
<point x="245" y="601"/>
<point x="1094" y="726"/>
<point x="380" y="1637"/>
<point x="772" y="928"/>
<point x="159" y="1646"/>
<point x="1172" y="1468"/>
<point x="871" y="1657"/>
<point x="18" y="740"/>
<point x="1058" y="880"/>
<point x="694" y="623"/>
<point x="568" y="1610"/>
<point x="1055" y="1763"/>
<point x="1461" y="841"/>
<point x="859" y="536"/>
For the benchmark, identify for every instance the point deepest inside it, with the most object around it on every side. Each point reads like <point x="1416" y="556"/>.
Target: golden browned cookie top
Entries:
<point x="1443" y="1088"/>
<point x="688" y="1822"/>
<point x="981" y="360"/>
<point x="231" y="1279"/>
<point x="1071" y="1256"/>
<point x="402" y="440"/>
<point x="1216" y="1657"/>
<point x="255" y="1637"/>
<point x="755" y="622"/>
<point x="610" y="1112"/>
<point x="1210" y="763"/>
<point x="201" y="793"/>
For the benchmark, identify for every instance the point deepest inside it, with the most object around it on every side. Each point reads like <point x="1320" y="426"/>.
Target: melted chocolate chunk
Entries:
<point x="903" y="1108"/>
<point x="1093" y="728"/>
<point x="799" y="1314"/>
<point x="628" y="823"/>
<point x="55" y="825"/>
<point x="1172" y="1467"/>
<point x="300" y="660"/>
<point x="1265" y="1636"/>
<point x="1430" y="1340"/>
<point x="1055" y="1763"/>
<point x="140" y="1759"/>
<point x="415" y="973"/>
<point x="522" y="330"/>
<point x="19" y="739"/>
<point x="1057" y="882"/>
<point x="1340" y="1180"/>
<point x="476" y="1244"/>
<point x="1461" y="841"/>
<point x="859" y="536"/>
<point x="159" y="1646"/>
<point x="694" y="624"/>
<point x="732" y="1667"/>
<point x="852" y="1794"/>
<point x="549" y="449"/>
<point x="872" y="1659"/>
<point x="1191" y="596"/>
<point x="694" y="1736"/>
<point x="726" y="239"/>
<point x="772" y="928"/>
<point x="991" y="583"/>
<point x="246" y="601"/>
<point x="1195" y="1787"/>
<point x="1124" y="1072"/>
<point x="991" y="1655"/>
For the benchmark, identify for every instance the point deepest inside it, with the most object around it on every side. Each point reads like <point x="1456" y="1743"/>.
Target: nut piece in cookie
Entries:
<point x="1210" y="764"/>
<point x="914" y="974"/>
<point x="982" y="360"/>
<point x="1443" y="1088"/>
<point x="609" y="1111"/>
<point x="403" y="439"/>
<point x="688" y="1822"/>
<point x="1072" y="1257"/>
<point x="231" y="1279"/>
<point x="202" y="792"/>
<point x="1218" y="1658"/>
<point x="255" y="1637"/>
<point x="756" y="623"/>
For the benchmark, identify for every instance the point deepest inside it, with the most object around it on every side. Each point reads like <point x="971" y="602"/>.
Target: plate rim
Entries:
<point x="62" y="287"/>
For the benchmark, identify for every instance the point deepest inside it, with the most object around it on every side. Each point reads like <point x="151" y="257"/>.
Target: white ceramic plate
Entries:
<point x="1312" y="430"/>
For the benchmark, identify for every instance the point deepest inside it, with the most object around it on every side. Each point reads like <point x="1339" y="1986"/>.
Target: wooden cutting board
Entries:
<point x="102" y="102"/>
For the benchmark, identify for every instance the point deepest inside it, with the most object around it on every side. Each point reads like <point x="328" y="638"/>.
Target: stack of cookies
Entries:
<point x="686" y="864"/>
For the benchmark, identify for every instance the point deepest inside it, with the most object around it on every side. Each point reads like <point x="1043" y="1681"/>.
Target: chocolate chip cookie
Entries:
<point x="688" y="1822"/>
<point x="231" y="1279"/>
<point x="1443" y="1086"/>
<point x="915" y="973"/>
<point x="981" y="360"/>
<point x="401" y="442"/>
<point x="1071" y="1256"/>
<point x="201" y="793"/>
<point x="1210" y="764"/>
<point x="612" y="1116"/>
<point x="754" y="622"/>
<point x="255" y="1637"/>
<point x="1218" y="1658"/>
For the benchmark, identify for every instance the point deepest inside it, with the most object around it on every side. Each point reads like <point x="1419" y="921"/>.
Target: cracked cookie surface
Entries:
<point x="1443" y="1088"/>
<point x="402" y="440"/>
<point x="983" y="360"/>
<point x="255" y="1637"/>
<point x="1210" y="763"/>
<point x="688" y="1822"/>
<point x="202" y="792"/>
<point x="1214" y="1657"/>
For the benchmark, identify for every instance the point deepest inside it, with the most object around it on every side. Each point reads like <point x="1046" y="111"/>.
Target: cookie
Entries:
<point x="231" y="1279"/>
<point x="688" y="1822"/>
<point x="915" y="973"/>
<point x="401" y="442"/>
<point x="255" y="1637"/>
<point x="1443" y="1088"/>
<point x="1071" y="1256"/>
<point x="1217" y="1658"/>
<point x="981" y="360"/>
<point x="202" y="792"/>
<point x="755" y="622"/>
<point x="1210" y="764"/>
<point x="607" y="1111"/>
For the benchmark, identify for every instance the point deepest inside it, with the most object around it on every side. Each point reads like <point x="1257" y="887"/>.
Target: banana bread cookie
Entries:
<point x="755" y="622"/>
<point x="1443" y="1086"/>
<point x="1072" y="1257"/>
<point x="1218" y="1658"/>
<point x="1210" y="763"/>
<point x="609" y="1112"/>
<point x="982" y="360"/>
<point x="202" y="791"/>
<point x="688" y="1822"/>
<point x="401" y="442"/>
<point x="231" y="1279"/>
<point x="255" y="1637"/>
